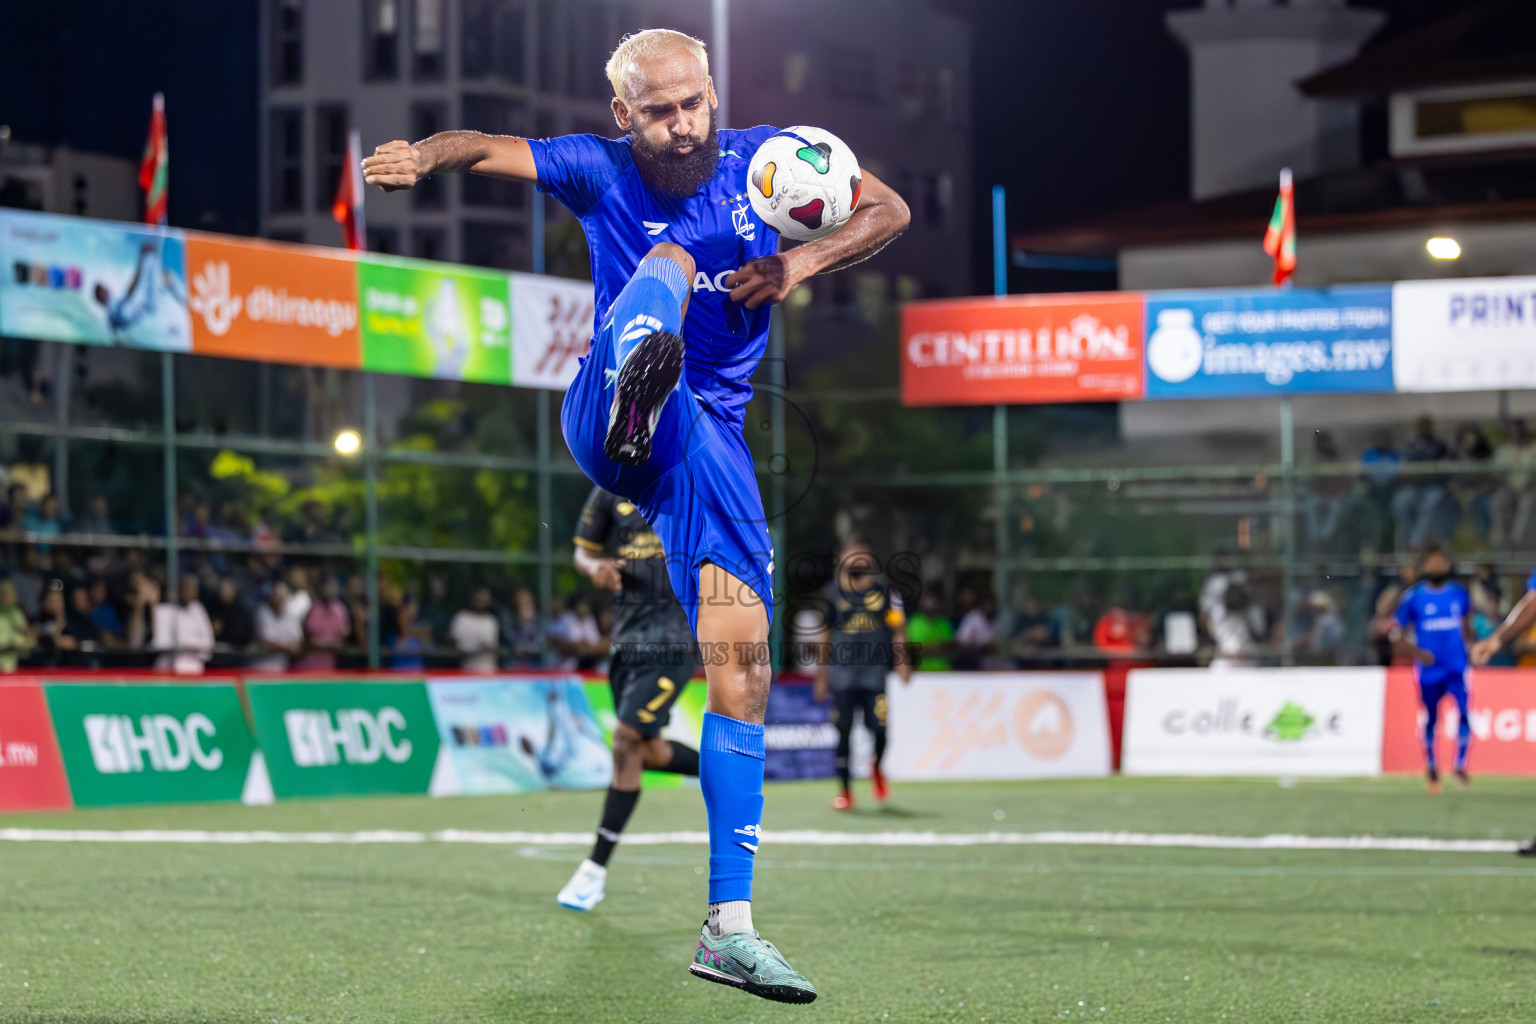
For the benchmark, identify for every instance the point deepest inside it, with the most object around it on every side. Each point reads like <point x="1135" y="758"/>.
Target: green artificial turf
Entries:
<point x="436" y="932"/>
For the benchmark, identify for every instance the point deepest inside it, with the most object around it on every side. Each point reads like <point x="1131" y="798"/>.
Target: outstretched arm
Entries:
<point x="399" y="164"/>
<point x="1521" y="617"/>
<point x="880" y="217"/>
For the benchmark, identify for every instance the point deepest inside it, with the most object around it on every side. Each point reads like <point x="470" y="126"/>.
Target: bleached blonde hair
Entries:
<point x="639" y="45"/>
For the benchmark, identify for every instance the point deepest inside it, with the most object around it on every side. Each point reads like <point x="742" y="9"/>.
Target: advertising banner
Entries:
<point x="1303" y="721"/>
<point x="998" y="725"/>
<point x="155" y="744"/>
<point x="1232" y="344"/>
<point x="1465" y="334"/>
<point x="517" y="735"/>
<point x="435" y="320"/>
<point x="31" y="769"/>
<point x="801" y="735"/>
<point x="551" y="329"/>
<point x="276" y="303"/>
<point x="1502" y="710"/>
<point x="92" y="281"/>
<point x="345" y="738"/>
<point x="1018" y="349"/>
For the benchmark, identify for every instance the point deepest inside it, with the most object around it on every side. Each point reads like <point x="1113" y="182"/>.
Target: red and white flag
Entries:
<point x="1280" y="239"/>
<point x="348" y="207"/>
<point x="154" y="168"/>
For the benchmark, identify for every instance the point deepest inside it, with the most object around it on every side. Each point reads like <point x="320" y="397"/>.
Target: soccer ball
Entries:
<point x="804" y="183"/>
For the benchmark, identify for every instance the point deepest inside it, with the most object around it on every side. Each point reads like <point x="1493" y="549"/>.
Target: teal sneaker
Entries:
<point x="747" y="961"/>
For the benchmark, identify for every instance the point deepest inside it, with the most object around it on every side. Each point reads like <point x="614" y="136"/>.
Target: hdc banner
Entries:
<point x="154" y="744"/>
<point x="1004" y="725"/>
<point x="31" y="770"/>
<point x="338" y="738"/>
<point x="1302" y="721"/>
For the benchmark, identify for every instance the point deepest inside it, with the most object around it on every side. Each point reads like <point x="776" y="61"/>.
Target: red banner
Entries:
<point x="1018" y="349"/>
<point x="1502" y="707"/>
<point x="31" y="770"/>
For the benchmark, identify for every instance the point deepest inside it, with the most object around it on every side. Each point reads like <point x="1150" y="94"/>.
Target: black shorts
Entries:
<point x="848" y="703"/>
<point x="645" y="690"/>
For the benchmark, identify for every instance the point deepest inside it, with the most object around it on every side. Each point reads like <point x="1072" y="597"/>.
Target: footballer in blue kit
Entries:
<point x="1437" y="610"/>
<point x="684" y="274"/>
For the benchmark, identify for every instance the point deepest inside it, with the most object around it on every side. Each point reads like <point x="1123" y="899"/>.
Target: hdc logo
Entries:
<point x="356" y="735"/>
<point x="169" y="744"/>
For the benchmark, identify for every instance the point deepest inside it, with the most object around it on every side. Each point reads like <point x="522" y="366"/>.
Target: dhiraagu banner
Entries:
<point x="435" y="320"/>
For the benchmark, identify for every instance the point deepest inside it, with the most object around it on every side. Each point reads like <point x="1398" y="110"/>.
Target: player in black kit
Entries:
<point x="863" y="637"/>
<point x="651" y="661"/>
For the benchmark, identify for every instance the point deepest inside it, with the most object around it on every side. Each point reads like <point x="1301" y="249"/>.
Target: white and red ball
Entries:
<point x="804" y="183"/>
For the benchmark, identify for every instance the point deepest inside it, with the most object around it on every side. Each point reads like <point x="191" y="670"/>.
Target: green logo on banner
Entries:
<point x="324" y="739"/>
<point x="151" y="744"/>
<point x="431" y="320"/>
<point x="1291" y="724"/>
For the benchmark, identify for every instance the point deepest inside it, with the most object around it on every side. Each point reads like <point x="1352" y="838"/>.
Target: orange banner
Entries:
<point x="1018" y="349"/>
<point x="279" y="304"/>
<point x="1502" y="708"/>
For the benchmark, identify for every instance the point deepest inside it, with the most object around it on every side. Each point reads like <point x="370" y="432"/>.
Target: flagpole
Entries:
<point x="355" y="158"/>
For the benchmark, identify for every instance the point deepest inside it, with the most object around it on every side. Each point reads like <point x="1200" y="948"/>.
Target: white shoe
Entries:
<point x="586" y="888"/>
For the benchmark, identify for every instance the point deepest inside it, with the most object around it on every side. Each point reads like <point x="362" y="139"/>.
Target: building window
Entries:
<point x="381" y="39"/>
<point x="287" y="42"/>
<point x="427" y="49"/>
<point x="504" y="246"/>
<point x="492" y="36"/>
<point x="427" y="120"/>
<point x="287" y="160"/>
<point x="1464" y="119"/>
<point x="330" y="152"/>
<point x="384" y="240"/>
<point x="493" y="115"/>
<point x="429" y="243"/>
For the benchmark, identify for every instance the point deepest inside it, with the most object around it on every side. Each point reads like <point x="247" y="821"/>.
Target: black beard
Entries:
<point x="673" y="173"/>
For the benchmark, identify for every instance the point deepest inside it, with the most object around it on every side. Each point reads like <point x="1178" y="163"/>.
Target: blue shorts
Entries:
<point x="698" y="490"/>
<point x="1435" y="687"/>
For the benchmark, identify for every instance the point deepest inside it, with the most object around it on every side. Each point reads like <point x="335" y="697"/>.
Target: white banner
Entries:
<point x="1304" y="721"/>
<point x="551" y="329"/>
<point x="998" y="725"/>
<point x="1464" y="334"/>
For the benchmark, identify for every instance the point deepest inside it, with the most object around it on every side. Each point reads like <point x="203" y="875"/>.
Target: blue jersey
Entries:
<point x="1436" y="615"/>
<point x="597" y="180"/>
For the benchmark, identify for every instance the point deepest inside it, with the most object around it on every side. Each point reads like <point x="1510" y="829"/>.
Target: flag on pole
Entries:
<point x="348" y="207"/>
<point x="154" y="168"/>
<point x="1280" y="239"/>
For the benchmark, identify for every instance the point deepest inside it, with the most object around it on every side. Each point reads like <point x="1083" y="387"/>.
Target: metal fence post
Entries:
<point x="371" y="517"/>
<point x="546" y="513"/>
<point x="168" y="429"/>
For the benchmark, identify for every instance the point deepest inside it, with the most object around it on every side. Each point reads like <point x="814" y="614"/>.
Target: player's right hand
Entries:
<point x="395" y="165"/>
<point x="1423" y="657"/>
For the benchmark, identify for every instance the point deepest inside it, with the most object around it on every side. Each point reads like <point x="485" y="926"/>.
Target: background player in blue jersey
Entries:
<point x="677" y="252"/>
<point x="1438" y="611"/>
<point x="1515" y="625"/>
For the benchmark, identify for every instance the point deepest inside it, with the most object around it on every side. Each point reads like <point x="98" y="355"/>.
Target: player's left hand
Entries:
<point x="763" y="281"/>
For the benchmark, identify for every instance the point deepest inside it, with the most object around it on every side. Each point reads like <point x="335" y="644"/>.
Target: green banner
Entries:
<point x="151" y="744"/>
<point x="685" y="723"/>
<point x="434" y="320"/>
<point x="324" y="739"/>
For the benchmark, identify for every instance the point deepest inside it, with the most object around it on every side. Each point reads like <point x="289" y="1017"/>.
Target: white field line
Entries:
<point x="806" y="837"/>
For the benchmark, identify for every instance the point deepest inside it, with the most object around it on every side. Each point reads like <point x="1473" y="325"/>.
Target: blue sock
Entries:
<point x="1431" y="719"/>
<point x="1463" y="732"/>
<point x="731" y="755"/>
<point x="652" y="301"/>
